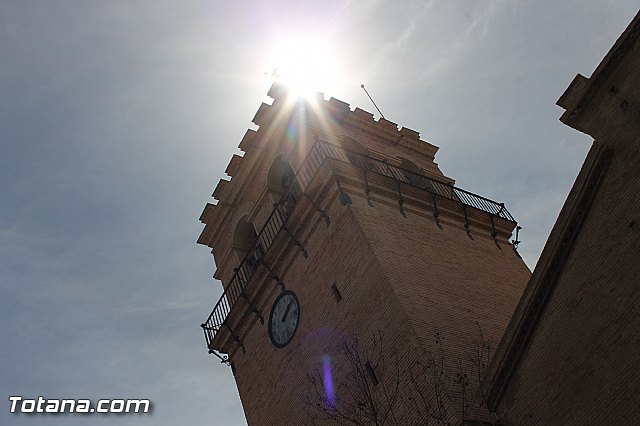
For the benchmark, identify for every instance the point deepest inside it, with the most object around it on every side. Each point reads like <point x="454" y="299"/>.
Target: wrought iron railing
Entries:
<point x="282" y="210"/>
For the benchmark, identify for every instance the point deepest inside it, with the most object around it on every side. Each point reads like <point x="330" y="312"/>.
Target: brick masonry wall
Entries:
<point x="273" y="383"/>
<point x="379" y="260"/>
<point x="445" y="281"/>
<point x="580" y="365"/>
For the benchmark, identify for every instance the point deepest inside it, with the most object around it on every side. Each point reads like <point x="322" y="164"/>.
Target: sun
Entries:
<point x="307" y="65"/>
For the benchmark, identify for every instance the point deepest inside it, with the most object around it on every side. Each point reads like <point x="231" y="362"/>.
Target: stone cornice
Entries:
<point x="582" y="90"/>
<point x="546" y="275"/>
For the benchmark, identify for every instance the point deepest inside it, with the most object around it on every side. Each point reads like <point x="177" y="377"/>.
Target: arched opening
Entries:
<point x="281" y="175"/>
<point x="412" y="174"/>
<point x="244" y="237"/>
<point x="247" y="247"/>
<point x="284" y="188"/>
<point x="356" y="153"/>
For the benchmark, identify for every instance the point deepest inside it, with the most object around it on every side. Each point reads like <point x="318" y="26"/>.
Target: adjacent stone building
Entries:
<point x="571" y="354"/>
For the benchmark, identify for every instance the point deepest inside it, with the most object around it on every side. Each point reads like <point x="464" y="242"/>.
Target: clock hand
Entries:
<point x="286" y="312"/>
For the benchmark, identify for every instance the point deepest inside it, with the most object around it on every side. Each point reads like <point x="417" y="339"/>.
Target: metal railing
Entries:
<point x="284" y="207"/>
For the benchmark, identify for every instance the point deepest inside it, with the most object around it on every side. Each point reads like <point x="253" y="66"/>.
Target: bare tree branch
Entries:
<point x="368" y="385"/>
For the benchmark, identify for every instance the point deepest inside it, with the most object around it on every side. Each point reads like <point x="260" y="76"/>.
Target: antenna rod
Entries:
<point x="374" y="104"/>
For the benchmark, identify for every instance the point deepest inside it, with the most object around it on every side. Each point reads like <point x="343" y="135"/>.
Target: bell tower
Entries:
<point x="355" y="273"/>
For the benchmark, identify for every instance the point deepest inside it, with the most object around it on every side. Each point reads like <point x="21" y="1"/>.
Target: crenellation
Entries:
<point x="208" y="218"/>
<point x="221" y="189"/>
<point x="277" y="90"/>
<point x="363" y="123"/>
<point x="409" y="133"/>
<point x="234" y="163"/>
<point x="248" y="140"/>
<point x="337" y="108"/>
<point x="388" y="125"/>
<point x="213" y="218"/>
<point x="207" y="213"/>
<point x="363" y="115"/>
<point x="413" y="144"/>
<point x="262" y="115"/>
<point x="388" y="132"/>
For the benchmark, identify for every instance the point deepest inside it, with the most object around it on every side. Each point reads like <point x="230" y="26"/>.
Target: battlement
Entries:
<point x="271" y="120"/>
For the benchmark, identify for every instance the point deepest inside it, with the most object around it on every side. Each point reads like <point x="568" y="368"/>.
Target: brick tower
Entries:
<point x="355" y="273"/>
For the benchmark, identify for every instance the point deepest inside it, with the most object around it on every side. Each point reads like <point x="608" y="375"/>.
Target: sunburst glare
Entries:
<point x="307" y="65"/>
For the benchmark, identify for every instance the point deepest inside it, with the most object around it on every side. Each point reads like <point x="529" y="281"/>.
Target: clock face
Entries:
<point x="284" y="319"/>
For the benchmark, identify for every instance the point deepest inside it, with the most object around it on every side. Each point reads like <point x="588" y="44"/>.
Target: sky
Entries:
<point x="118" y="118"/>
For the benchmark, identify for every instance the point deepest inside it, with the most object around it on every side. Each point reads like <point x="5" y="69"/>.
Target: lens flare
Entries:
<point x="307" y="65"/>
<point x="327" y="380"/>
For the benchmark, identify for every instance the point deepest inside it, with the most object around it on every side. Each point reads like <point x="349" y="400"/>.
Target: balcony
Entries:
<point x="278" y="218"/>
